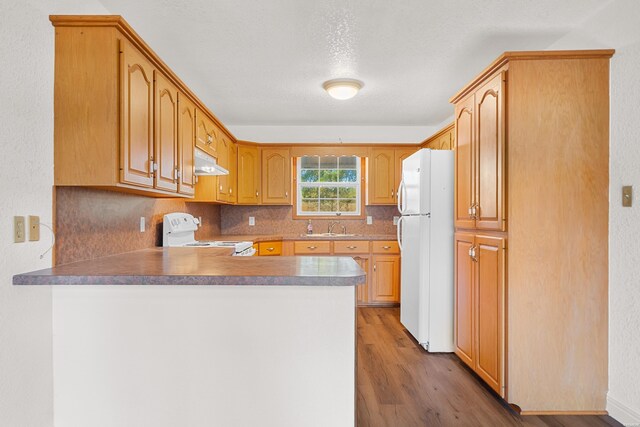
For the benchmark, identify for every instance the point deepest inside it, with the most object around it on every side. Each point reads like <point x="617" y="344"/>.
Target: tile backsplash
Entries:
<point x="278" y="220"/>
<point x="93" y="223"/>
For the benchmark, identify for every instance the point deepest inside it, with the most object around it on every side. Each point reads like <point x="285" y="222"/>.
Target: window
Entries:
<point x="328" y="186"/>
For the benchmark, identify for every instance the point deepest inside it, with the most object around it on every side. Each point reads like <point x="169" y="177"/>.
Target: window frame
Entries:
<point x="360" y="192"/>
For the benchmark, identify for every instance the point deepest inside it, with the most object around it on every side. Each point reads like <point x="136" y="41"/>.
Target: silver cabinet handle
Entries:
<point x="472" y="253"/>
<point x="286" y="194"/>
<point x="256" y="194"/>
<point x="374" y="267"/>
<point x="230" y="190"/>
<point x="270" y="249"/>
<point x="312" y="247"/>
<point x="221" y="188"/>
<point x="352" y="247"/>
<point x="386" y="247"/>
<point x="392" y="192"/>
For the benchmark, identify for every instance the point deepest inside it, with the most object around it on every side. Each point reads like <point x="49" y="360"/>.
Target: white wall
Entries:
<point x="26" y="173"/>
<point x="334" y="134"/>
<point x="617" y="25"/>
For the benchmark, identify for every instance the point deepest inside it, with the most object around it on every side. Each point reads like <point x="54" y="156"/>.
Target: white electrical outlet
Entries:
<point x="142" y="224"/>
<point x="199" y="221"/>
<point x="369" y="220"/>
<point x="395" y="220"/>
<point x="252" y="221"/>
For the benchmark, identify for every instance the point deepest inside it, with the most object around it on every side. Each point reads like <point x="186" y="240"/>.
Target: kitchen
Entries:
<point x="91" y="223"/>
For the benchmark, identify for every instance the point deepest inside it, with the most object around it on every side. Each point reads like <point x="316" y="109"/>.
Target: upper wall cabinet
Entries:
<point x="122" y="119"/>
<point x="385" y="174"/>
<point x="444" y="139"/>
<point x="248" y="175"/>
<point x="276" y="176"/>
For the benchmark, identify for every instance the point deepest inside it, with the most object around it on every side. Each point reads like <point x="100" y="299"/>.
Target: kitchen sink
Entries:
<point x="328" y="235"/>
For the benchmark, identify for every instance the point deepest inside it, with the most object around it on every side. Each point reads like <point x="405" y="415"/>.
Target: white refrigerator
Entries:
<point x="425" y="235"/>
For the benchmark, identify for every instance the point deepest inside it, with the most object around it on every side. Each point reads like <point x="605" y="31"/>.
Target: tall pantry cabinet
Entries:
<point x="531" y="218"/>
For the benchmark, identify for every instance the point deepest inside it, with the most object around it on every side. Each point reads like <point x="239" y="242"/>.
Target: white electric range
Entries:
<point x="178" y="230"/>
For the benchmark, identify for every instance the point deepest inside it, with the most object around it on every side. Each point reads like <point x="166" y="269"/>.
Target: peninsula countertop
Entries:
<point x="293" y="236"/>
<point x="199" y="266"/>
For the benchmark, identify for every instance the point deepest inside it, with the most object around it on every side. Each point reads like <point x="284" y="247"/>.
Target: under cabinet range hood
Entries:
<point x="207" y="165"/>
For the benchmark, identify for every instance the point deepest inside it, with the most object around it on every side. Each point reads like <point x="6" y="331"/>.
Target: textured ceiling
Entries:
<point x="262" y="62"/>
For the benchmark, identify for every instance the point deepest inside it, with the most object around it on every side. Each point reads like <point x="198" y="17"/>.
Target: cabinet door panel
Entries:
<point x="490" y="155"/>
<point x="186" y="141"/>
<point x="136" y="154"/>
<point x="276" y="176"/>
<point x="166" y="133"/>
<point x="464" y="159"/>
<point x="382" y="177"/>
<point x="248" y="175"/>
<point x="224" y="147"/>
<point x="362" y="291"/>
<point x="205" y="134"/>
<point x="233" y="173"/>
<point x="464" y="299"/>
<point x="400" y="155"/>
<point x="490" y="297"/>
<point x="386" y="279"/>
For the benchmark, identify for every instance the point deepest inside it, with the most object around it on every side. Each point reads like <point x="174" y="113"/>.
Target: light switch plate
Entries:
<point x="34" y="228"/>
<point x="395" y="220"/>
<point x="18" y="229"/>
<point x="142" y="224"/>
<point x="627" y="196"/>
<point x="252" y="221"/>
<point x="369" y="220"/>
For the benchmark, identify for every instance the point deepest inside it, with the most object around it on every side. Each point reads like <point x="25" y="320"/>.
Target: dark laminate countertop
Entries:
<point x="199" y="266"/>
<point x="286" y="237"/>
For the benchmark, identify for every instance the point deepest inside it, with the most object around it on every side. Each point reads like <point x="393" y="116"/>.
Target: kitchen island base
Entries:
<point x="167" y="356"/>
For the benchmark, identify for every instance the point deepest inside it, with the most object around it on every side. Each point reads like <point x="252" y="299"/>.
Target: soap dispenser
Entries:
<point x="309" y="227"/>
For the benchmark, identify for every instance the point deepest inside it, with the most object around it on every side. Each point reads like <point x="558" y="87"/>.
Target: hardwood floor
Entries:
<point x="401" y="385"/>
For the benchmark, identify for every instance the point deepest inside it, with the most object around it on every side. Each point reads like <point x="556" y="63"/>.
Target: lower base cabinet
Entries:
<point x="480" y="306"/>
<point x="362" y="291"/>
<point x="385" y="279"/>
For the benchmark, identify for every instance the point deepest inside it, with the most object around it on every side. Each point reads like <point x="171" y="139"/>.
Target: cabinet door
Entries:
<point x="136" y="150"/>
<point x="224" y="147"/>
<point x="489" y="197"/>
<point x="464" y="299"/>
<point x="186" y="141"/>
<point x="464" y="164"/>
<point x="386" y="279"/>
<point x="444" y="142"/>
<point x="206" y="138"/>
<point x="362" y="291"/>
<point x="233" y="173"/>
<point x="490" y="302"/>
<point x="166" y="134"/>
<point x="276" y="176"/>
<point x="248" y="175"/>
<point x="400" y="154"/>
<point x="382" y="188"/>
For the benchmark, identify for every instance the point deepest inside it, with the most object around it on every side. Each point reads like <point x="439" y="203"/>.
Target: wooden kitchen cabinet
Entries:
<point x="385" y="283"/>
<point x="271" y="248"/>
<point x="312" y="247"/>
<point x="276" y="176"/>
<point x="464" y="160"/>
<point x="519" y="331"/>
<point x="480" y="306"/>
<point x="223" y="181"/>
<point x="233" y="173"/>
<point x="385" y="174"/>
<point x="382" y="177"/>
<point x="444" y="139"/>
<point x="137" y="154"/>
<point x="186" y="143"/>
<point x="362" y="291"/>
<point x="118" y="112"/>
<point x="248" y="175"/>
<point x="166" y="134"/>
<point x="206" y="135"/>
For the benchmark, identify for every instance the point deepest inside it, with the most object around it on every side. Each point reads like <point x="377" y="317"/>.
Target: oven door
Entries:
<point x="251" y="251"/>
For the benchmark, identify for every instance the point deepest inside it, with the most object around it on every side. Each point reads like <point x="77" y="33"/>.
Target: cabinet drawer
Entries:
<point x="350" y="246"/>
<point x="385" y="247"/>
<point x="312" y="247"/>
<point x="270" y="248"/>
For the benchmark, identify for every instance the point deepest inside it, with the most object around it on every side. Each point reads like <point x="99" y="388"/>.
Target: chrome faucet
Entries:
<point x="331" y="225"/>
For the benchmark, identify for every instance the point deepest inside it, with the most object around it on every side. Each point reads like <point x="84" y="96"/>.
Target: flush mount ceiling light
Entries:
<point x="342" y="88"/>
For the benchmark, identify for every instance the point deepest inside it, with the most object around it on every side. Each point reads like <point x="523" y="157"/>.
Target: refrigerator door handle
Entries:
<point x="398" y="232"/>
<point x="400" y="195"/>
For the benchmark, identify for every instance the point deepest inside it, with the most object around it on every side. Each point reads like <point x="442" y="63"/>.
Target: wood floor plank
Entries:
<point x="399" y="384"/>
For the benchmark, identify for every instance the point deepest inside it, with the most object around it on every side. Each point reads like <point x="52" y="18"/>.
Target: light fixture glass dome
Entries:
<point x="342" y="88"/>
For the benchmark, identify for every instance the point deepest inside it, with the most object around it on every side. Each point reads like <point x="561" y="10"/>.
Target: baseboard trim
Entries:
<point x="563" y="412"/>
<point x="622" y="413"/>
